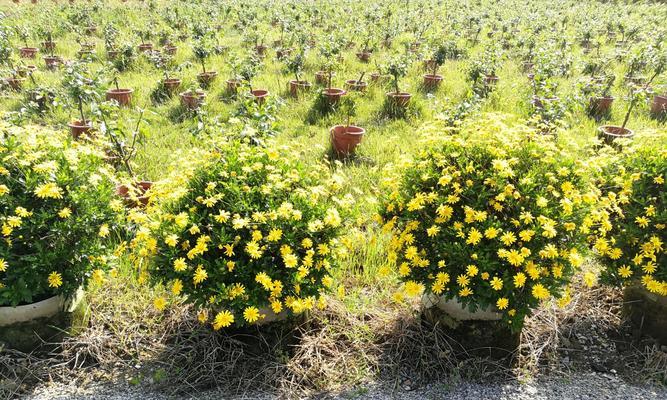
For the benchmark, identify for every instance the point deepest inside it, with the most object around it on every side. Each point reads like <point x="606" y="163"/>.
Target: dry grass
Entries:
<point x="334" y="350"/>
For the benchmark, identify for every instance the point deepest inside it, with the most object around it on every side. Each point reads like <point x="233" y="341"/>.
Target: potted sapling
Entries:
<point x="120" y="95"/>
<point x="247" y="71"/>
<point x="81" y="89"/>
<point x="433" y="79"/>
<point x="145" y="34"/>
<point x="330" y="52"/>
<point x="168" y="85"/>
<point x="345" y="138"/>
<point x="26" y="51"/>
<point x="202" y="51"/>
<point x="357" y="85"/>
<point x="600" y="102"/>
<point x="364" y="53"/>
<point x="294" y="65"/>
<point x="397" y="68"/>
<point x="192" y="98"/>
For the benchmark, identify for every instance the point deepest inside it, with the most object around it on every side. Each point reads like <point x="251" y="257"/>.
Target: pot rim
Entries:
<point x="433" y="76"/>
<point x="603" y="129"/>
<point x="361" y="131"/>
<point x="120" y="91"/>
<point x="79" y="124"/>
<point x="399" y="94"/>
<point x="300" y="83"/>
<point x="334" y="92"/>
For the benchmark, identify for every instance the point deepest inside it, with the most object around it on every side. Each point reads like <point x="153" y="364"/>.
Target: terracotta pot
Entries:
<point x="527" y="66"/>
<point x="192" y="100"/>
<point x="28" y="52"/>
<point x="259" y="95"/>
<point x="48" y="46"/>
<point x="26" y="327"/>
<point x="400" y="99"/>
<point x="282" y="53"/>
<point x="90" y="30"/>
<point x="364" y="56"/>
<point x="600" y="105"/>
<point x="205" y="78"/>
<point x="15" y="83"/>
<point x="232" y="85"/>
<point x="172" y="84"/>
<point x="659" y="105"/>
<point x="145" y="47"/>
<point x="647" y="311"/>
<point x="260" y="49"/>
<point x="491" y="80"/>
<point x="432" y="81"/>
<point x="78" y="128"/>
<point x="296" y="87"/>
<point x="333" y="95"/>
<point x="134" y="195"/>
<point x="345" y="139"/>
<point x="171" y="50"/>
<point x="322" y="78"/>
<point x="112" y="54"/>
<point x="609" y="133"/>
<point x="51" y="62"/>
<point x="356" y="86"/>
<point x="122" y="96"/>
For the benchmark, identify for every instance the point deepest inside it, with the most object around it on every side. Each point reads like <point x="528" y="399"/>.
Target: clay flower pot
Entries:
<point x="282" y="53"/>
<point x="259" y="95"/>
<point x="48" y="45"/>
<point x="345" y="139"/>
<point x="333" y="95"/>
<point x="260" y="49"/>
<point x="539" y="102"/>
<point x="28" y="52"/>
<point x="491" y="80"/>
<point x="659" y="105"/>
<point x="609" y="133"/>
<point x="432" y="81"/>
<point x="112" y="54"/>
<point x="15" y="83"/>
<point x="170" y="50"/>
<point x="364" y="56"/>
<point x="232" y="85"/>
<point x="134" y="195"/>
<point x="91" y="30"/>
<point x="192" y="100"/>
<point x="297" y="87"/>
<point x="28" y="326"/>
<point x="600" y="105"/>
<point x="145" y="47"/>
<point x="52" y="62"/>
<point x="205" y="78"/>
<point x="172" y="84"/>
<point x="122" y="96"/>
<point x="527" y="66"/>
<point x="400" y="99"/>
<point x="78" y="128"/>
<point x="321" y="77"/>
<point x="356" y="86"/>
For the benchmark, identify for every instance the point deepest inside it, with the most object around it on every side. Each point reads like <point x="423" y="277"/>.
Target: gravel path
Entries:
<point x="583" y="386"/>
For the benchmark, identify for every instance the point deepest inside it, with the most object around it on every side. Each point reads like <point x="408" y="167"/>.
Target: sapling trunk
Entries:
<point x="396" y="84"/>
<point x="296" y="75"/>
<point x="361" y="77"/>
<point x="83" y="118"/>
<point x="330" y="76"/>
<point x="634" y="99"/>
<point x="435" y="68"/>
<point x="203" y="65"/>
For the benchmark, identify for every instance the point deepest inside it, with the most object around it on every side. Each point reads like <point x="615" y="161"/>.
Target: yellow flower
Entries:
<point x="465" y="292"/>
<point x="202" y="316"/>
<point x="642" y="222"/>
<point x="625" y="271"/>
<point x="48" y="191"/>
<point x="177" y="287"/>
<point x="502" y="303"/>
<point x="462" y="280"/>
<point x="508" y="238"/>
<point x="180" y="265"/>
<point x="3" y="190"/>
<point x="251" y="314"/>
<point x="65" y="213"/>
<point x="253" y="250"/>
<point x="290" y="260"/>
<point x="200" y="275"/>
<point x="496" y="283"/>
<point x="491" y="233"/>
<point x="159" y="303"/>
<point x="55" y="280"/>
<point x="3" y="265"/>
<point x="589" y="279"/>
<point x="274" y="235"/>
<point x="223" y="319"/>
<point x="474" y="237"/>
<point x="276" y="306"/>
<point x="98" y="276"/>
<point x="22" y="212"/>
<point x="413" y="288"/>
<point x="432" y="231"/>
<point x="104" y="231"/>
<point x="171" y="240"/>
<point x="540" y="292"/>
<point x="472" y="270"/>
<point x="659" y="180"/>
<point x="519" y="280"/>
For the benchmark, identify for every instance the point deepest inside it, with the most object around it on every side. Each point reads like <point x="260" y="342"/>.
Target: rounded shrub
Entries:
<point x="56" y="210"/>
<point x="495" y="224"/>
<point x="249" y="238"/>
<point x="630" y="238"/>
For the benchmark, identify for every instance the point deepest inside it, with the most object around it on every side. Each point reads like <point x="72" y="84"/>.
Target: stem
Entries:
<point x="361" y="78"/>
<point x="203" y="67"/>
<point x="83" y="118"/>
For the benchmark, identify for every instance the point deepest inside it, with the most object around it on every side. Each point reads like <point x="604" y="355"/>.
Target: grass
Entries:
<point x="362" y="337"/>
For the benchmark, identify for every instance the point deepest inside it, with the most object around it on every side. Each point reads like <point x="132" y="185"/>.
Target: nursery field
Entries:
<point x="333" y="199"/>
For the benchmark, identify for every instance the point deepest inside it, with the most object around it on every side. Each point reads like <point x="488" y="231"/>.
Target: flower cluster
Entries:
<point x="251" y="237"/>
<point x="56" y="209"/>
<point x="630" y="239"/>
<point x="495" y="226"/>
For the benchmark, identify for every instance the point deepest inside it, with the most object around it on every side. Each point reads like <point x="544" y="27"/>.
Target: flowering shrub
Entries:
<point x="251" y="236"/>
<point x="56" y="209"/>
<point x="630" y="239"/>
<point x="496" y="226"/>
